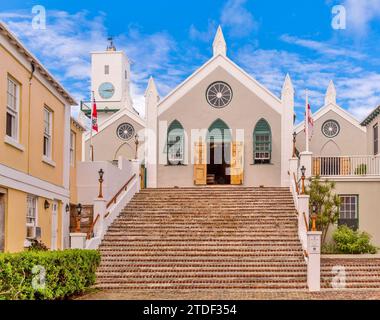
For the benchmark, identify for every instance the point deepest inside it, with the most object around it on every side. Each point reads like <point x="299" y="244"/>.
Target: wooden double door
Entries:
<point x="230" y="168"/>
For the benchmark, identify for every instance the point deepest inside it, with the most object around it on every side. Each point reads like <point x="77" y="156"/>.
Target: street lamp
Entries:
<point x="79" y="212"/>
<point x="303" y="171"/>
<point x="101" y="174"/>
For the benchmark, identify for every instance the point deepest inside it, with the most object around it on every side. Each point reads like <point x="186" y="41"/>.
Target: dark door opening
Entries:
<point x="218" y="163"/>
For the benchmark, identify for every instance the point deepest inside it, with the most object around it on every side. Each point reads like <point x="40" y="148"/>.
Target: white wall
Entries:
<point x="114" y="178"/>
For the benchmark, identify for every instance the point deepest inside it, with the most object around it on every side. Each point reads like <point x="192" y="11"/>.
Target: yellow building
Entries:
<point x="76" y="143"/>
<point x="34" y="151"/>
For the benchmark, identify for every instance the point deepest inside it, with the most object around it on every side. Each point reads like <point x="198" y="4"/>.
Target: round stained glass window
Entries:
<point x="330" y="128"/>
<point x="219" y="94"/>
<point x="125" y="131"/>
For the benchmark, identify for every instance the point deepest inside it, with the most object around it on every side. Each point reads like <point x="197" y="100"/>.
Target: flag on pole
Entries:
<point x="309" y="123"/>
<point x="94" y="116"/>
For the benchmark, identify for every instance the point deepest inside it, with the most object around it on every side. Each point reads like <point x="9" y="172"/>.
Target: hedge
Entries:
<point x="67" y="273"/>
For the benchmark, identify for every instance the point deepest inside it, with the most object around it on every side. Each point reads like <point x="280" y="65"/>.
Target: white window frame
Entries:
<point x="175" y="146"/>
<point x="348" y="210"/>
<point x="13" y="108"/>
<point x="31" y="200"/>
<point x="72" y="148"/>
<point x="48" y="133"/>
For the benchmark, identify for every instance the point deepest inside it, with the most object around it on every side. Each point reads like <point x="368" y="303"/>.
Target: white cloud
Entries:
<point x="65" y="46"/>
<point x="237" y="18"/>
<point x="360" y="13"/>
<point x="357" y="89"/>
<point x="323" y="47"/>
<point x="204" y="36"/>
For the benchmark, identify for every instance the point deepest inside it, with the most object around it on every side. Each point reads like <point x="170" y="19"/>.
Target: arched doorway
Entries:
<point x="219" y="139"/>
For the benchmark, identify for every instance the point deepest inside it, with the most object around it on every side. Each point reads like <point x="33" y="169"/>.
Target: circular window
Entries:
<point x="219" y="94"/>
<point x="125" y="131"/>
<point x="330" y="128"/>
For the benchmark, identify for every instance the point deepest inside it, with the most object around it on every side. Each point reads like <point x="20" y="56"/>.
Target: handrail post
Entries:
<point x="314" y="261"/>
<point x="99" y="209"/>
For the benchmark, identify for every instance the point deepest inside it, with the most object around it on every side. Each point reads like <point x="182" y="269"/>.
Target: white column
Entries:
<point x="151" y="138"/>
<point x="306" y="161"/>
<point x="136" y="170"/>
<point x="303" y="207"/>
<point x="314" y="263"/>
<point x="78" y="240"/>
<point x="287" y="121"/>
<point x="99" y="209"/>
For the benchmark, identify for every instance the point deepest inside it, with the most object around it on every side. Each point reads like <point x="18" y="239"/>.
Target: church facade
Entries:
<point x="220" y="126"/>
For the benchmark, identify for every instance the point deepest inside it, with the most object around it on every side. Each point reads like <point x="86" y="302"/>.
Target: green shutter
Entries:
<point x="262" y="138"/>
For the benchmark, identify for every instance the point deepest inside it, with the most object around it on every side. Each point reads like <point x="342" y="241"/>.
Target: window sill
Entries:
<point x="12" y="142"/>
<point x="262" y="164"/>
<point x="48" y="161"/>
<point x="175" y="165"/>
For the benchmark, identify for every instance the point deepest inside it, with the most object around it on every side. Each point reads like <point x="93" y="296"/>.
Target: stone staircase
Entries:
<point x="358" y="273"/>
<point x="204" y="238"/>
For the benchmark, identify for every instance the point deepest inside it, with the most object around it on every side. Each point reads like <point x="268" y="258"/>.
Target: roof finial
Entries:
<point x="111" y="46"/>
<point x="330" y="97"/>
<point x="219" y="45"/>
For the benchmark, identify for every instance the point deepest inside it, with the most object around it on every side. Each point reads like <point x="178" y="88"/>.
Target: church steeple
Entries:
<point x="330" y="97"/>
<point x="219" y="45"/>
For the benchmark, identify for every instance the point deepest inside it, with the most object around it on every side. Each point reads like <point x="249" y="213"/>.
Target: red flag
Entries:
<point x="94" y="117"/>
<point x="309" y="122"/>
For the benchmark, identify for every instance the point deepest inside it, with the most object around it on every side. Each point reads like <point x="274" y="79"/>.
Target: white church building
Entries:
<point x="220" y="126"/>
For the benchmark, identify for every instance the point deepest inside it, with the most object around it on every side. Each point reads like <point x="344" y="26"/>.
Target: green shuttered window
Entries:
<point x="262" y="143"/>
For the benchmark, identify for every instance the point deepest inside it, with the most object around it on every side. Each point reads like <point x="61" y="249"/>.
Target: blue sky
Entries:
<point x="171" y="39"/>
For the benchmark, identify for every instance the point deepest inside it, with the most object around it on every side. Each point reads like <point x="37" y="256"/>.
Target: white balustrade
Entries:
<point x="346" y="166"/>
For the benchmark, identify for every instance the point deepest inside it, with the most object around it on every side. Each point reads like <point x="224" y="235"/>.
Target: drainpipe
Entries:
<point x="33" y="67"/>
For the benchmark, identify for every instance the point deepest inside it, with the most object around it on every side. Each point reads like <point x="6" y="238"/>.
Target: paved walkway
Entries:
<point x="236" y="295"/>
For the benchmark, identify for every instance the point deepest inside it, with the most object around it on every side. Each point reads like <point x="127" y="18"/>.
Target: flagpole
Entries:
<point x="307" y="122"/>
<point x="91" y="127"/>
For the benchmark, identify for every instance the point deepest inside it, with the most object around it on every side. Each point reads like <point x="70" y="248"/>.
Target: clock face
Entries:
<point x="106" y="90"/>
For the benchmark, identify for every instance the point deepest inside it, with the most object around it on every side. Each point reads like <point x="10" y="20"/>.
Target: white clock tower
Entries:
<point x="110" y="81"/>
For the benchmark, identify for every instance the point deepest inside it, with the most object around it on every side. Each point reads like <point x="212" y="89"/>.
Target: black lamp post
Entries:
<point x="101" y="174"/>
<point x="303" y="171"/>
<point x="79" y="212"/>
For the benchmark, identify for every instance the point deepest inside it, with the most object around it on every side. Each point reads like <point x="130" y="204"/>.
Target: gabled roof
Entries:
<point x="234" y="70"/>
<point x="371" y="116"/>
<point x="334" y="108"/>
<point x="115" y="117"/>
<point x="38" y="65"/>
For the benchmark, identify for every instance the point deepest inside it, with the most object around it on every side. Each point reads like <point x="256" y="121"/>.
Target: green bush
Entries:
<point x="67" y="273"/>
<point x="361" y="169"/>
<point x="352" y="242"/>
